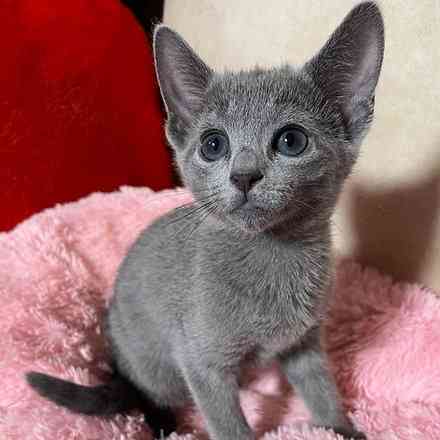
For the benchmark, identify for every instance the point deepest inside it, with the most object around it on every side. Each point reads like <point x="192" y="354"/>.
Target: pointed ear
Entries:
<point x="347" y="68"/>
<point x="183" y="77"/>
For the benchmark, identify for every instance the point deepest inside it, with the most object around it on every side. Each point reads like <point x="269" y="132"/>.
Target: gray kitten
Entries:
<point x="240" y="276"/>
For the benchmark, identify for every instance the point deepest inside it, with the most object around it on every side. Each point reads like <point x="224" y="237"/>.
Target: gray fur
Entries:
<point x="212" y="288"/>
<point x="241" y="277"/>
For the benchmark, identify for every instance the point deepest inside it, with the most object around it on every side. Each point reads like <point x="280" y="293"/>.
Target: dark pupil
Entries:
<point x="289" y="139"/>
<point x="214" y="145"/>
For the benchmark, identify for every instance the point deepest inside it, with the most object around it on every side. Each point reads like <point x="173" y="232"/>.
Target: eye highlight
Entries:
<point x="214" y="146"/>
<point x="290" y="141"/>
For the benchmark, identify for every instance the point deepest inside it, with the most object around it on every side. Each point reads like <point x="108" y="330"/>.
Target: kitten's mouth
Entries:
<point x="249" y="216"/>
<point x="246" y="205"/>
<point x="248" y="210"/>
<point x="248" y="213"/>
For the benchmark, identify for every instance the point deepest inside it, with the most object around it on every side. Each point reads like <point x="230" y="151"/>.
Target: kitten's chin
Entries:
<point x="258" y="220"/>
<point x="250" y="227"/>
<point x="253" y="220"/>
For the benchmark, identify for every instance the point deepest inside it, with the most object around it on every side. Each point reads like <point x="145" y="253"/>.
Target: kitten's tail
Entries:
<point x="117" y="396"/>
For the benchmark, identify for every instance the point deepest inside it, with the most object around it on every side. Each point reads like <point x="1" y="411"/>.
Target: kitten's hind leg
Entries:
<point x="307" y="370"/>
<point x="157" y="413"/>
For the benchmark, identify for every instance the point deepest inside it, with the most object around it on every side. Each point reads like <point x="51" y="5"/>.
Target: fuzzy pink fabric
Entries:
<point x="56" y="273"/>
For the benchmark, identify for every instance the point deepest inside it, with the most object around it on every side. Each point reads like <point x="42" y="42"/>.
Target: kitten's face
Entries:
<point x="263" y="146"/>
<point x="275" y="125"/>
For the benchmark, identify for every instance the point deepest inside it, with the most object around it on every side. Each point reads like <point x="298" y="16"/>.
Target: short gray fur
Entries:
<point x="219" y="285"/>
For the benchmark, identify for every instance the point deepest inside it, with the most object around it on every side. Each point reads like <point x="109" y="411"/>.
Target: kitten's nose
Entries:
<point x="244" y="180"/>
<point x="245" y="172"/>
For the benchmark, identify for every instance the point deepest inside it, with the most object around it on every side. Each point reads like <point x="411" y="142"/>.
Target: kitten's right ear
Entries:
<point x="347" y="68"/>
<point x="183" y="78"/>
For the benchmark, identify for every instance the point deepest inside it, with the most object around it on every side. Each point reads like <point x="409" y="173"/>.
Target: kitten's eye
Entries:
<point x="290" y="141"/>
<point x="214" y="146"/>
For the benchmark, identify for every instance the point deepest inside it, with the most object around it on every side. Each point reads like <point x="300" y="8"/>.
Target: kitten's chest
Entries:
<point x="289" y="310"/>
<point x="274" y="297"/>
<point x="260" y="295"/>
<point x="281" y="311"/>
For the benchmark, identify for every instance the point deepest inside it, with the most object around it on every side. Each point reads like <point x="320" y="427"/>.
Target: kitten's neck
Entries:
<point x="292" y="230"/>
<point x="291" y="242"/>
<point x="286" y="252"/>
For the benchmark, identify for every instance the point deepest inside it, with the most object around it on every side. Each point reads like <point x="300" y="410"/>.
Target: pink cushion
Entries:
<point x="56" y="273"/>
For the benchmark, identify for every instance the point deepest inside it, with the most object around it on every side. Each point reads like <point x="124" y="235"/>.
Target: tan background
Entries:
<point x="389" y="214"/>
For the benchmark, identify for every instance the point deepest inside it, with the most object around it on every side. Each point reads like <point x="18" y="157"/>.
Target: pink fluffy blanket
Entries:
<point x="56" y="273"/>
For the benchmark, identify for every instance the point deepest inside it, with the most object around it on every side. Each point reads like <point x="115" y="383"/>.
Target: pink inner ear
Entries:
<point x="183" y="76"/>
<point x="348" y="66"/>
<point x="365" y="78"/>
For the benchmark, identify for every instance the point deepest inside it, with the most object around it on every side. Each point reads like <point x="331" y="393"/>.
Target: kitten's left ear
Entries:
<point x="347" y="68"/>
<point x="183" y="78"/>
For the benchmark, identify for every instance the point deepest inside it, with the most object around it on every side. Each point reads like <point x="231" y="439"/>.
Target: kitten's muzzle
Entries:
<point x="245" y="171"/>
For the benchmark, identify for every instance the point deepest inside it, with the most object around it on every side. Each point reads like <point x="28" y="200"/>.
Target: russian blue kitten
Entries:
<point x="242" y="275"/>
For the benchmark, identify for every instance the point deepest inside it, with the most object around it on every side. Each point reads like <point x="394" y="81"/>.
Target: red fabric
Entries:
<point x="79" y="105"/>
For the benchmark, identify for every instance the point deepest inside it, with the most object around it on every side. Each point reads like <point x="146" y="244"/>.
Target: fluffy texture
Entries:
<point x="77" y="85"/>
<point x="56" y="273"/>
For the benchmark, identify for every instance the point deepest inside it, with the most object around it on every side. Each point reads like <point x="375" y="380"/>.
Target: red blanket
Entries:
<point x="79" y="105"/>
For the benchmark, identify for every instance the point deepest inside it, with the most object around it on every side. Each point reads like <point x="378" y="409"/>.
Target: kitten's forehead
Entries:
<point x="263" y="97"/>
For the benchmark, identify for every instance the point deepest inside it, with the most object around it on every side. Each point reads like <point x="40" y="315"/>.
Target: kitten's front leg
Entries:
<point x="216" y="394"/>
<point x="307" y="370"/>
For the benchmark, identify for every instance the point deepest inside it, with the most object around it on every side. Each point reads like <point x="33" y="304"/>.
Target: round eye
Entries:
<point x="214" y="146"/>
<point x="290" y="141"/>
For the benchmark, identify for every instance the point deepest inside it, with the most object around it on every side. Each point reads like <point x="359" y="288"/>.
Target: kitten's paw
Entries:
<point x="350" y="433"/>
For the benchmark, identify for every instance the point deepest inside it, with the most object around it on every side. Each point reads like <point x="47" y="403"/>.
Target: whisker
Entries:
<point x="193" y="211"/>
<point x="189" y="227"/>
<point x="298" y="201"/>
<point x="195" y="204"/>
<point x="209" y="211"/>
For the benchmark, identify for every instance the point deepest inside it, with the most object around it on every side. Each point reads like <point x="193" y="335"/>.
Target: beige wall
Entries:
<point x="389" y="214"/>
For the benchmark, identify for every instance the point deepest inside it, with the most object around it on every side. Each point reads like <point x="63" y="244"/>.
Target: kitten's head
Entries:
<point x="264" y="146"/>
